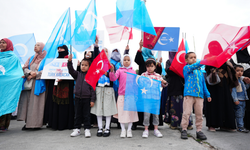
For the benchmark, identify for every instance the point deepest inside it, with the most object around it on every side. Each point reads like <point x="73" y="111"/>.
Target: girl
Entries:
<point x="59" y="106"/>
<point x="150" y="73"/>
<point x="85" y="97"/>
<point x="123" y="116"/>
<point x="105" y="103"/>
<point x="141" y="56"/>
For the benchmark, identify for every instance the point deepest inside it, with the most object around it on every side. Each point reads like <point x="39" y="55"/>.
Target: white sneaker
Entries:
<point x="129" y="134"/>
<point x="76" y="132"/>
<point x="157" y="133"/>
<point x="87" y="133"/>
<point x="145" y="134"/>
<point x="123" y="134"/>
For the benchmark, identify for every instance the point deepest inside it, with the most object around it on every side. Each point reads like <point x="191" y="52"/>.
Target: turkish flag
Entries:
<point x="116" y="32"/>
<point x="99" y="66"/>
<point x="223" y="42"/>
<point x="179" y="60"/>
<point x="150" y="40"/>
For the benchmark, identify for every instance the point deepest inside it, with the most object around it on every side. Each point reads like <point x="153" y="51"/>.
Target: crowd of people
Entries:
<point x="220" y="94"/>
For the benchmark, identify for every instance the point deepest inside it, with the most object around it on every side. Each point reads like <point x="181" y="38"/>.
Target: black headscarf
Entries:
<point x="63" y="53"/>
<point x="243" y="56"/>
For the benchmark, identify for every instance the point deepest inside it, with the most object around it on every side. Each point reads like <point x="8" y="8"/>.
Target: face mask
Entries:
<point x="116" y="56"/>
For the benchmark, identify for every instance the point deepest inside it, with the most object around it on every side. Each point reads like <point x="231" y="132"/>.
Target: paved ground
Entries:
<point x="16" y="139"/>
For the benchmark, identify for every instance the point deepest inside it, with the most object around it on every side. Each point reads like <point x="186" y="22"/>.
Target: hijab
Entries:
<point x="9" y="45"/>
<point x="171" y="56"/>
<point x="243" y="56"/>
<point x="146" y="53"/>
<point x="63" y="53"/>
<point x="116" y="55"/>
<point x="38" y="57"/>
<point x="130" y="61"/>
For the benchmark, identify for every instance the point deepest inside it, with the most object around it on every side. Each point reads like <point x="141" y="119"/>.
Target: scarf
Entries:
<point x="9" y="45"/>
<point x="63" y="53"/>
<point x="146" y="53"/>
<point x="116" y="55"/>
<point x="130" y="61"/>
<point x="37" y="58"/>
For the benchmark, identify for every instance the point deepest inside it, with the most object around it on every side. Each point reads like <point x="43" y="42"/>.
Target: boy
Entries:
<point x="194" y="91"/>
<point x="85" y="97"/>
<point x="239" y="95"/>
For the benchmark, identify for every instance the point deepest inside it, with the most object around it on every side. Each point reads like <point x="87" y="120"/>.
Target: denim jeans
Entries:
<point x="240" y="113"/>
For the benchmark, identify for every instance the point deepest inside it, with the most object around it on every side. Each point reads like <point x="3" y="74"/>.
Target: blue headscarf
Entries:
<point x="146" y="53"/>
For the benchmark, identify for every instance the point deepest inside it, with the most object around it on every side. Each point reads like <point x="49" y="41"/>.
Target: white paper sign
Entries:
<point x="57" y="69"/>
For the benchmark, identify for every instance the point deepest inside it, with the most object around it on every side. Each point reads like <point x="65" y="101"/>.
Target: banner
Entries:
<point x="167" y="39"/>
<point x="57" y="69"/>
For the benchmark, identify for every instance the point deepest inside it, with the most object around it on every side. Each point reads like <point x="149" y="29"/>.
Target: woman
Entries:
<point x="59" y="107"/>
<point x="31" y="104"/>
<point x="220" y="112"/>
<point x="11" y="82"/>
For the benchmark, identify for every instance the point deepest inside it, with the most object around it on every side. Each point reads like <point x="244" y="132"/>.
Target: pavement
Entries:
<point x="16" y="139"/>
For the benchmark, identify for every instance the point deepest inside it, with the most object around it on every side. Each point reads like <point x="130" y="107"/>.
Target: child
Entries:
<point x="123" y="116"/>
<point x="194" y="91"/>
<point x="105" y="103"/>
<point x="239" y="95"/>
<point x="150" y="73"/>
<point x="84" y="97"/>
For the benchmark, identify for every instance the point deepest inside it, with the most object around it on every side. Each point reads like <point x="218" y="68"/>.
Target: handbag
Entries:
<point x="28" y="84"/>
<point x="213" y="78"/>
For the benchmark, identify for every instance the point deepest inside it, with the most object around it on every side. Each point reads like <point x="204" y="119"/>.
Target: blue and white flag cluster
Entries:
<point x="23" y="46"/>
<point x="142" y="94"/>
<point x="11" y="81"/>
<point x="85" y="27"/>
<point x="134" y="14"/>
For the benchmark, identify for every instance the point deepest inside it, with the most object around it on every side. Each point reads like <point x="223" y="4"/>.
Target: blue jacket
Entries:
<point x="244" y="88"/>
<point x="195" y="84"/>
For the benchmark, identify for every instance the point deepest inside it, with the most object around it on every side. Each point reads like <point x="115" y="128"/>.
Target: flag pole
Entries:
<point x="70" y="47"/>
<point x="194" y="45"/>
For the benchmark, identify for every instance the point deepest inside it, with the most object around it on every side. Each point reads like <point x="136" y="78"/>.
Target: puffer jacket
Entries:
<point x="82" y="88"/>
<point x="195" y="84"/>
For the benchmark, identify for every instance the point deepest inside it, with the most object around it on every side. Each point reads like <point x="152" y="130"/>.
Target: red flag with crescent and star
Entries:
<point x="99" y="66"/>
<point x="223" y="42"/>
<point x="179" y="60"/>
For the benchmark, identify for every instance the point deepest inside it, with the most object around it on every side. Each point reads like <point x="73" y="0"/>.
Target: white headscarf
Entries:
<point x="130" y="61"/>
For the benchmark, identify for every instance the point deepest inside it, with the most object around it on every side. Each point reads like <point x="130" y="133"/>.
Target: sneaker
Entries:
<point x="129" y="134"/>
<point x="87" y="133"/>
<point x="190" y="128"/>
<point x="157" y="133"/>
<point x="173" y="128"/>
<point x="106" y="133"/>
<point x="99" y="132"/>
<point x="243" y="130"/>
<point x="123" y="134"/>
<point x="200" y="135"/>
<point x="76" y="132"/>
<point x="145" y="134"/>
<point x="184" y="134"/>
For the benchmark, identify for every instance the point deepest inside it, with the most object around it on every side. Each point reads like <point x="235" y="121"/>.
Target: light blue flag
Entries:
<point x="168" y="40"/>
<point x="134" y="14"/>
<point x="11" y="80"/>
<point x="23" y="46"/>
<point x="186" y="47"/>
<point x="61" y="34"/>
<point x="85" y="27"/>
<point x="142" y="94"/>
<point x="163" y="69"/>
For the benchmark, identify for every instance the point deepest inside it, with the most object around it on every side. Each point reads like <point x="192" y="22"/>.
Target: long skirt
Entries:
<point x="220" y="111"/>
<point x="125" y="116"/>
<point x="105" y="104"/>
<point x="5" y="121"/>
<point x="31" y="108"/>
<point x="174" y="110"/>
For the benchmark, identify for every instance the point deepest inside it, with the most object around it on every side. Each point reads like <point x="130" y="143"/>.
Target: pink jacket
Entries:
<point x="121" y="75"/>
